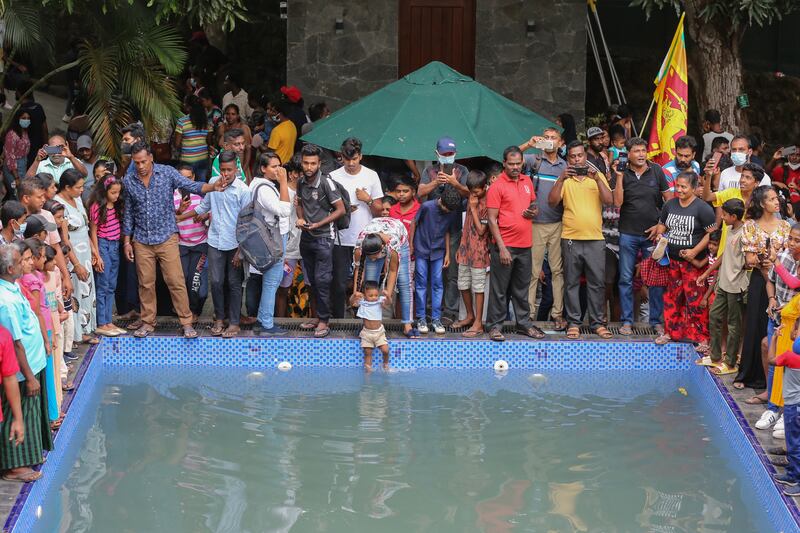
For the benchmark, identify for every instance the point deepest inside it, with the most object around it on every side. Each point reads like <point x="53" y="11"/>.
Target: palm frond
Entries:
<point x="26" y="28"/>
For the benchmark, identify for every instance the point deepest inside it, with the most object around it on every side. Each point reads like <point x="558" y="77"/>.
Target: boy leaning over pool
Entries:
<point x="790" y="360"/>
<point x="373" y="334"/>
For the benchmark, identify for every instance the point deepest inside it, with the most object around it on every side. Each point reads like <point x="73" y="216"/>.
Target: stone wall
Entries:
<point x="341" y="68"/>
<point x="545" y="72"/>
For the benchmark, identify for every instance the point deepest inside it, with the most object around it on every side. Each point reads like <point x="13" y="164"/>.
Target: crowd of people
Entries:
<point x="569" y="232"/>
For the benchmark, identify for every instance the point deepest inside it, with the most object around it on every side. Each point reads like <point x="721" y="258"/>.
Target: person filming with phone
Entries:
<point x="785" y="169"/>
<point x="54" y="158"/>
<point x="582" y="191"/>
<point x="640" y="189"/>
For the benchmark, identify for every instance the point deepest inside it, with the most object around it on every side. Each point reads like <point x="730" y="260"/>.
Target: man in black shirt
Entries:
<point x="319" y="206"/>
<point x="641" y="189"/>
<point x="597" y="148"/>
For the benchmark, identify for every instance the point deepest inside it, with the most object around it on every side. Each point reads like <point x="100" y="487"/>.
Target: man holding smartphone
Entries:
<point x="54" y="158"/>
<point x="445" y="172"/>
<point x="785" y="169"/>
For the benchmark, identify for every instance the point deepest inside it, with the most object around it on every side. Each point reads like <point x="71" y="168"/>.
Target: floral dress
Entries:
<point x="85" y="318"/>
<point x="754" y="239"/>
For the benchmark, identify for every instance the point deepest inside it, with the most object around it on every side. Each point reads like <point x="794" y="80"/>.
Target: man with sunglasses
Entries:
<point x="54" y="158"/>
<point x="544" y="169"/>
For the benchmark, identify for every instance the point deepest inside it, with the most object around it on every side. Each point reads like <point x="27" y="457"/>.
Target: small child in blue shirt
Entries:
<point x="429" y="240"/>
<point x="373" y="334"/>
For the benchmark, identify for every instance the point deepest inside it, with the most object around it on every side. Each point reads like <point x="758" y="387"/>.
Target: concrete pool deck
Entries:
<point x="349" y="328"/>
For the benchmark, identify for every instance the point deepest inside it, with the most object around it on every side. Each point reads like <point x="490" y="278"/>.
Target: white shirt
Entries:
<point x="241" y="102"/>
<point x="269" y="200"/>
<point x="365" y="179"/>
<point x="709" y="137"/>
<point x="371" y="310"/>
<point x="729" y="179"/>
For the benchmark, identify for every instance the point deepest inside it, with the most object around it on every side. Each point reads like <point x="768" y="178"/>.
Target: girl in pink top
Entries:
<point x="105" y="214"/>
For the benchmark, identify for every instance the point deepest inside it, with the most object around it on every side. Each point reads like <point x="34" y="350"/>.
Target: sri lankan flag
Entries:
<point x="670" y="98"/>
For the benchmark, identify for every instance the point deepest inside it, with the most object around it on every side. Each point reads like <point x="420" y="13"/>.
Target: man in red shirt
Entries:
<point x="510" y="202"/>
<point x="10" y="394"/>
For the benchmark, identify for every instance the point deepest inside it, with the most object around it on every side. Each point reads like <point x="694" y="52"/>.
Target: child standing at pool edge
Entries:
<point x="373" y="334"/>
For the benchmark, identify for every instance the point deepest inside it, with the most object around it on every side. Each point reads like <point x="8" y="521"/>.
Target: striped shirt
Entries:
<point x="194" y="143"/>
<point x="110" y="229"/>
<point x="190" y="233"/>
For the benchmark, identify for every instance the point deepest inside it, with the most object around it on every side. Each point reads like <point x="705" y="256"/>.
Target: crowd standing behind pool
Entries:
<point x="561" y="232"/>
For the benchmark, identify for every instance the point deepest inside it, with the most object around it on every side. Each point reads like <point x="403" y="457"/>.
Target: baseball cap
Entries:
<point x="36" y="224"/>
<point x="445" y="145"/>
<point x="84" y="141"/>
<point x="292" y="93"/>
<point x="594" y="130"/>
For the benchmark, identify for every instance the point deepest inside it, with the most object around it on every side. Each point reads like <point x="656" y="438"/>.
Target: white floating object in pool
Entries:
<point x="255" y="375"/>
<point x="39" y="511"/>
<point x="500" y="366"/>
<point x="537" y="380"/>
<point x="284" y="366"/>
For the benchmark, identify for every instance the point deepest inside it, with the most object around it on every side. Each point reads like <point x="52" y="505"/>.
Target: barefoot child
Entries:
<point x="473" y="254"/>
<point x="373" y="334"/>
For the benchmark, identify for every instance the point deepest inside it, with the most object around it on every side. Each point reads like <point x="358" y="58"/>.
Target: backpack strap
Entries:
<point x="255" y="197"/>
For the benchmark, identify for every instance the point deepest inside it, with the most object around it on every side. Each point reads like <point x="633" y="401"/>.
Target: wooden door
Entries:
<point x="436" y="30"/>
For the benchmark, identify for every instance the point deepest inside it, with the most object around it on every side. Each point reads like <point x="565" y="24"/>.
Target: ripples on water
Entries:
<point x="222" y="450"/>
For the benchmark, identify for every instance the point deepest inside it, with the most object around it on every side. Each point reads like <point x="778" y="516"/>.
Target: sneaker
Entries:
<point x="794" y="492"/>
<point x="785" y="479"/>
<point x="274" y="331"/>
<point x="779" y="434"/>
<point x="767" y="419"/>
<point x="778" y="425"/>
<point x="422" y="326"/>
<point x="69" y="356"/>
<point x="438" y="327"/>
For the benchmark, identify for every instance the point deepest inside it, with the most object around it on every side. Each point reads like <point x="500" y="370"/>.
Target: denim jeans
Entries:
<point x="372" y="272"/>
<point x="106" y="281"/>
<point x="791" y="423"/>
<point x="220" y="270"/>
<point x="629" y="246"/>
<point x="424" y="270"/>
<point x="190" y="258"/>
<point x="269" y="286"/>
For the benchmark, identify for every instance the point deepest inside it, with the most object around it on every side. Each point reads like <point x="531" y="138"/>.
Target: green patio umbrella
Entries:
<point x="405" y="119"/>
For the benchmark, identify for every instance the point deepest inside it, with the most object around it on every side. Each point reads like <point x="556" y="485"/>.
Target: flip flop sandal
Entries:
<point x="705" y="361"/>
<point x="603" y="333"/>
<point x="413" y="333"/>
<point x="738" y="385"/>
<point x="321" y="333"/>
<point x="28" y="477"/>
<point x="723" y="370"/>
<point x="755" y="400"/>
<point x="573" y="333"/>
<point x="497" y="335"/>
<point x="559" y="324"/>
<point x="663" y="339"/>
<point x="471" y="334"/>
<point x="229" y="333"/>
<point x="189" y="333"/>
<point x="217" y="329"/>
<point x="67" y="386"/>
<point x="91" y="341"/>
<point x="136" y="324"/>
<point x="626" y="330"/>
<point x="309" y="325"/>
<point x="142" y="332"/>
<point x="533" y="332"/>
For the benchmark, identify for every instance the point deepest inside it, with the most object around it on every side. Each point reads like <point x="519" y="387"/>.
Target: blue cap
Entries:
<point x="664" y="261"/>
<point x="445" y="145"/>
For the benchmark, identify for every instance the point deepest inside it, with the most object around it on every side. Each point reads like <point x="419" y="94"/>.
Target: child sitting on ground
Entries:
<point x="790" y="361"/>
<point x="473" y="254"/>
<point x="373" y="334"/>
<point x="429" y="244"/>
<point x="731" y="287"/>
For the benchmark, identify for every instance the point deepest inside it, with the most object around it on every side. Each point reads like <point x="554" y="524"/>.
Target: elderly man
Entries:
<point x="150" y="233"/>
<point x="54" y="158"/>
<point x="18" y="455"/>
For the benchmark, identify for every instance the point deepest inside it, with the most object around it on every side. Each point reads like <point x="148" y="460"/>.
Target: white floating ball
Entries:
<point x="284" y="366"/>
<point x="537" y="380"/>
<point x="500" y="366"/>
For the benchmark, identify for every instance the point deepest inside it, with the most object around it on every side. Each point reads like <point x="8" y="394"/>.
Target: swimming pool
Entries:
<point x="575" y="436"/>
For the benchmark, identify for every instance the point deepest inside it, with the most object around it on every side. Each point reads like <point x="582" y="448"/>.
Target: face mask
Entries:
<point x="24" y="122"/>
<point x="738" y="158"/>
<point x="125" y="148"/>
<point x="19" y="233"/>
<point x="794" y="166"/>
<point x="275" y="118"/>
<point x="447" y="159"/>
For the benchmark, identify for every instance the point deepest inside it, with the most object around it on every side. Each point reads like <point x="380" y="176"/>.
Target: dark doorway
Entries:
<point x="437" y="30"/>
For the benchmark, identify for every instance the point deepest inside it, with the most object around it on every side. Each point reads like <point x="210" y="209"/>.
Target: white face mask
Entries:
<point x="738" y="158"/>
<point x="447" y="159"/>
<point x="794" y="166"/>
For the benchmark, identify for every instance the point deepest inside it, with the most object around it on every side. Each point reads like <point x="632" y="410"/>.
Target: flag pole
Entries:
<point x="646" y="118"/>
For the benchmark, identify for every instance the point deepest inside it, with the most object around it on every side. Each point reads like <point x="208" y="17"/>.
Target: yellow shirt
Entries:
<point x="721" y="198"/>
<point x="282" y="140"/>
<point x="583" y="210"/>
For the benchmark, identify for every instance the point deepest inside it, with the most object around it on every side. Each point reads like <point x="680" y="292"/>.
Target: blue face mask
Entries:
<point x="738" y="158"/>
<point x="447" y="159"/>
<point x="24" y="122"/>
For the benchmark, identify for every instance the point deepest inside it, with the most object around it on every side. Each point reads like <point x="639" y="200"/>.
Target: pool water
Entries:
<point x="236" y="450"/>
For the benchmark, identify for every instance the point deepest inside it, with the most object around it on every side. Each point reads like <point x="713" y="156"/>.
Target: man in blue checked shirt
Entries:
<point x="150" y="233"/>
<point x="685" y="150"/>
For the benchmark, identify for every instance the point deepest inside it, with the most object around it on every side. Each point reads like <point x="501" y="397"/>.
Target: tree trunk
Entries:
<point x="715" y="69"/>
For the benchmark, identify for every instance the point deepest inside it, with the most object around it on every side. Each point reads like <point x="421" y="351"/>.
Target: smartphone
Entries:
<point x="789" y="150"/>
<point x="545" y="144"/>
<point x="622" y="166"/>
<point x="581" y="171"/>
<point x="447" y="168"/>
<point x="715" y="158"/>
<point x="53" y="150"/>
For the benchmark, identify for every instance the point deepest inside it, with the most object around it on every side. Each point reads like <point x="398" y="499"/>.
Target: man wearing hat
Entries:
<point x="445" y="172"/>
<point x="294" y="111"/>
<point x="598" y="144"/>
<point x="88" y="158"/>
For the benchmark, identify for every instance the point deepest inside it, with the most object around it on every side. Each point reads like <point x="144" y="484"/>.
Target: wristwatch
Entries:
<point x="371" y="201"/>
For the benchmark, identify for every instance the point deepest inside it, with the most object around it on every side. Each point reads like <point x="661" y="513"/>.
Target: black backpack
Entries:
<point x="260" y="241"/>
<point x="343" y="222"/>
